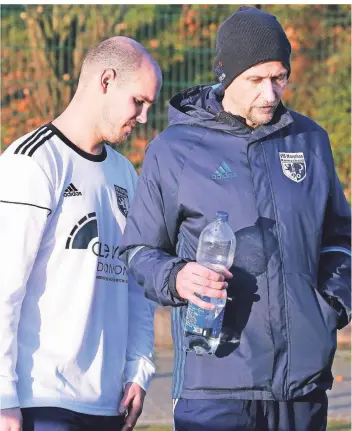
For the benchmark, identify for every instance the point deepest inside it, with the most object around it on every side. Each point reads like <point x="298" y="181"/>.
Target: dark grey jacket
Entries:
<point x="291" y="284"/>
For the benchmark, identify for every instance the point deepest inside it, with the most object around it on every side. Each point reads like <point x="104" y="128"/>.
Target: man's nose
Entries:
<point x="268" y="93"/>
<point x="142" y="117"/>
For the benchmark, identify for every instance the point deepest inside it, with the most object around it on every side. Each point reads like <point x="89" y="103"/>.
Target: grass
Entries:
<point x="338" y="426"/>
<point x="332" y="426"/>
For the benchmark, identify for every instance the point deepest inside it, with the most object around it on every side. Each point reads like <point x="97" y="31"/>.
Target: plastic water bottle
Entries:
<point x="216" y="251"/>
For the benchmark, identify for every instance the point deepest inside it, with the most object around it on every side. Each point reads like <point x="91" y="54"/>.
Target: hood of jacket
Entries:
<point x="202" y="105"/>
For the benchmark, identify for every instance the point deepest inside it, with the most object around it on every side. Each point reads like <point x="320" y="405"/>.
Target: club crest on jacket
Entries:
<point x="293" y="166"/>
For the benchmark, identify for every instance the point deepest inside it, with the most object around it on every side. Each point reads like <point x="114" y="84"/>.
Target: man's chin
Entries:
<point x="266" y="118"/>
<point x="120" y="140"/>
<point x="261" y="119"/>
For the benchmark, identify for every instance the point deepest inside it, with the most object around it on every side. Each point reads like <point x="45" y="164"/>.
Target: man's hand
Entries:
<point x="194" y="278"/>
<point x="11" y="419"/>
<point x="132" y="402"/>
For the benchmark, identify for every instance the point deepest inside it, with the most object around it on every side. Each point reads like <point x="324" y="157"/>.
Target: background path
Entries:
<point x="158" y="404"/>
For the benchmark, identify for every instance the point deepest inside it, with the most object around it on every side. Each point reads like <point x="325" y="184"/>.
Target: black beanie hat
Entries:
<point x="249" y="37"/>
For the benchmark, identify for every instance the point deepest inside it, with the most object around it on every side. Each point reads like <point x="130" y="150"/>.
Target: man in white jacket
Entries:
<point x="76" y="333"/>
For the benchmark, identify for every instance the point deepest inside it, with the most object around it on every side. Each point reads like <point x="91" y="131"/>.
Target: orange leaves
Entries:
<point x="120" y="27"/>
<point x="136" y="150"/>
<point x="135" y="157"/>
<point x="181" y="38"/>
<point x="288" y="94"/>
<point x="300" y="63"/>
<point x="332" y="63"/>
<point x="7" y="140"/>
<point x="292" y="36"/>
<point x="140" y="143"/>
<point x="21" y="105"/>
<point x="338" y="30"/>
<point x="189" y="23"/>
<point x="35" y="122"/>
<point x="206" y="32"/>
<point x="290" y="32"/>
<point x="296" y="46"/>
<point x="18" y="118"/>
<point x="213" y="28"/>
<point x="15" y="127"/>
<point x="154" y="43"/>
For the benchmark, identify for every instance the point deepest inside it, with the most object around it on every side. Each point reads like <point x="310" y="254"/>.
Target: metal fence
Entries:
<point x="43" y="46"/>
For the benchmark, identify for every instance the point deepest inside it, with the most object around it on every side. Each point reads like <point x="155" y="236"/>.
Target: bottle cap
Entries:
<point x="222" y="215"/>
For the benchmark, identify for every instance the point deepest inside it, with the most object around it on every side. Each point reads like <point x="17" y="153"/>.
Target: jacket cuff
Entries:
<point x="140" y="371"/>
<point x="172" y="279"/>
<point x="8" y="395"/>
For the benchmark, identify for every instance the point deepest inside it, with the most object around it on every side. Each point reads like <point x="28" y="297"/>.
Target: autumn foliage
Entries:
<point x="43" y="47"/>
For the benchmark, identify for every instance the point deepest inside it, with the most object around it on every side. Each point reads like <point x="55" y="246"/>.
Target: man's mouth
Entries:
<point x="267" y="108"/>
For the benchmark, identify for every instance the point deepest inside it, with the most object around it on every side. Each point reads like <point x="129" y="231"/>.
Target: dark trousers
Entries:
<point x="57" y="419"/>
<point x="304" y="414"/>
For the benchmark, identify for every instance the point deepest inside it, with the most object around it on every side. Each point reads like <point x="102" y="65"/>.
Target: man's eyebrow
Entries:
<point x="255" y="77"/>
<point x="147" y="100"/>
<point x="263" y="77"/>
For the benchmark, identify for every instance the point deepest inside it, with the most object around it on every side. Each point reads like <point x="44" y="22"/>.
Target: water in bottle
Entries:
<point x="216" y="251"/>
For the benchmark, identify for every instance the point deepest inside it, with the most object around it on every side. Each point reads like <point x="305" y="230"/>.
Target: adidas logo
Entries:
<point x="223" y="172"/>
<point x="71" y="191"/>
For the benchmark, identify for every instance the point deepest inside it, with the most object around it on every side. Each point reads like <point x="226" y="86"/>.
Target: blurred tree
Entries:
<point x="43" y="47"/>
<point x="62" y="34"/>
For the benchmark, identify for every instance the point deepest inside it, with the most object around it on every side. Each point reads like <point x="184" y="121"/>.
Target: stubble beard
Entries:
<point x="123" y="137"/>
<point x="259" y="120"/>
<point x="121" y="140"/>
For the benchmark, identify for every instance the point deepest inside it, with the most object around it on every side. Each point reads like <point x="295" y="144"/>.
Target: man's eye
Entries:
<point x="138" y="102"/>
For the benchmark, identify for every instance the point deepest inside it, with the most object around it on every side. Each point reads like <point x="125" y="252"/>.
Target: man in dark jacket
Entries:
<point x="235" y="147"/>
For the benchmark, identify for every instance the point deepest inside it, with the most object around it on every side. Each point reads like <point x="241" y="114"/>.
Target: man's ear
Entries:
<point x="106" y="79"/>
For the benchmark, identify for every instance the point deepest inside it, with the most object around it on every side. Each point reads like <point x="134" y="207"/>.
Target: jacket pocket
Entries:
<point x="312" y="325"/>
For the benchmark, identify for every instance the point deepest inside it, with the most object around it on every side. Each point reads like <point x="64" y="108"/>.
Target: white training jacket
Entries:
<point x="74" y="328"/>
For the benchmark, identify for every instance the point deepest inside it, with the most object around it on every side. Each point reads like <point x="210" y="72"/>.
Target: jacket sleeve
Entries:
<point x="334" y="276"/>
<point x="25" y="208"/>
<point x="148" y="243"/>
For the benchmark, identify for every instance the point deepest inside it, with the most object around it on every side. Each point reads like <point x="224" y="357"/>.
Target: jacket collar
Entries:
<point x="281" y="118"/>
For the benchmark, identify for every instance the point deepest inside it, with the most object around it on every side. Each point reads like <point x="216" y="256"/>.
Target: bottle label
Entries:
<point x="204" y="322"/>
